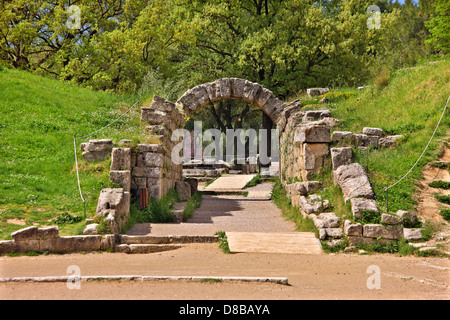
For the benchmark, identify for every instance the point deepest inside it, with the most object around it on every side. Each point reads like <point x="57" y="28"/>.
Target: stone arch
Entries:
<point x="231" y="88"/>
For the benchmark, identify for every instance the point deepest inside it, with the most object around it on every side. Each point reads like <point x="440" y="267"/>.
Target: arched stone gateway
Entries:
<point x="303" y="145"/>
<point x="232" y="88"/>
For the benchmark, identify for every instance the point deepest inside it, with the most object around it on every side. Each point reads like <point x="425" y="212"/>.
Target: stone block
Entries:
<point x="99" y="145"/>
<point x="147" y="172"/>
<point x="334" y="232"/>
<point x="30" y="233"/>
<point x="85" y="243"/>
<point x="315" y="115"/>
<point x="149" y="159"/>
<point x="412" y="233"/>
<point x="312" y="133"/>
<point x="47" y="233"/>
<point x="121" y="159"/>
<point x="194" y="185"/>
<point x="91" y="229"/>
<point x="341" y="157"/>
<point x="385" y="232"/>
<point x="406" y="215"/>
<point x="388" y="141"/>
<point x="353" y="181"/>
<point x="110" y="199"/>
<point x="251" y="90"/>
<point x="201" y="94"/>
<point x="163" y="105"/>
<point x="122" y="178"/>
<point x="361" y="204"/>
<point x="262" y="97"/>
<point x="219" y="89"/>
<point x="390" y="219"/>
<point x="353" y="229"/>
<point x="314" y="155"/>
<point x="341" y="135"/>
<point x="373" y="131"/>
<point x="273" y="108"/>
<point x="153" y="117"/>
<point x="184" y="190"/>
<point x="158" y="130"/>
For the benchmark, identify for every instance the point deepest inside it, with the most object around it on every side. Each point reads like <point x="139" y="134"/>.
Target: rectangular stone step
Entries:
<point x="283" y="242"/>
<point x="145" y="248"/>
<point x="153" y="239"/>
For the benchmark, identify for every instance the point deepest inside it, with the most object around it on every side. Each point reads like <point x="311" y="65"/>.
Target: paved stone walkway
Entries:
<point x="253" y="223"/>
<point x="226" y="213"/>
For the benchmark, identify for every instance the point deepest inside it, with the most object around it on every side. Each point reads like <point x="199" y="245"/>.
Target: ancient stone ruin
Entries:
<point x="307" y="144"/>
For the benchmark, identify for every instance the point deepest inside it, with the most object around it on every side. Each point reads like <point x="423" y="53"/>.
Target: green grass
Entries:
<point x="223" y="242"/>
<point x="38" y="120"/>
<point x="290" y="212"/>
<point x="157" y="211"/>
<point x="192" y="204"/>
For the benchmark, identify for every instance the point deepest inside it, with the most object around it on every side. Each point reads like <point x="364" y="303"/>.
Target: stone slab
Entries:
<point x="292" y="242"/>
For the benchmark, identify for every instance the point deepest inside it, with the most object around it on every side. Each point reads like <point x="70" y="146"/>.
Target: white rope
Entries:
<point x="415" y="164"/>
<point x="78" y="176"/>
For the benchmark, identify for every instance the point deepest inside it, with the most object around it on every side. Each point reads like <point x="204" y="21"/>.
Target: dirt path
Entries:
<point x="428" y="208"/>
<point x="325" y="276"/>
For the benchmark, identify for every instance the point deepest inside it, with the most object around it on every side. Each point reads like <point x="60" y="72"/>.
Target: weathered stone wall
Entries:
<point x="154" y="165"/>
<point x="48" y="239"/>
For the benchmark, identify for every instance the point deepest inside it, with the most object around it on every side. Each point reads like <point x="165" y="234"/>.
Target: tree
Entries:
<point x="439" y="26"/>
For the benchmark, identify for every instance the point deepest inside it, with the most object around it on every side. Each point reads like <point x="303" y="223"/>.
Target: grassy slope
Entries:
<point x="38" y="119"/>
<point x="410" y="105"/>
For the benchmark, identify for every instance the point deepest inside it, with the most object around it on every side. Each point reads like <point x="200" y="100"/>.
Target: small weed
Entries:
<point x="192" y="204"/>
<point x="445" y="213"/>
<point x="440" y="184"/>
<point x="211" y="280"/>
<point x="223" y="241"/>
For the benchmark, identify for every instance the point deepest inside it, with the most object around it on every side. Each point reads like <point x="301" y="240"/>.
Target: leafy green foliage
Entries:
<point x="439" y="26"/>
